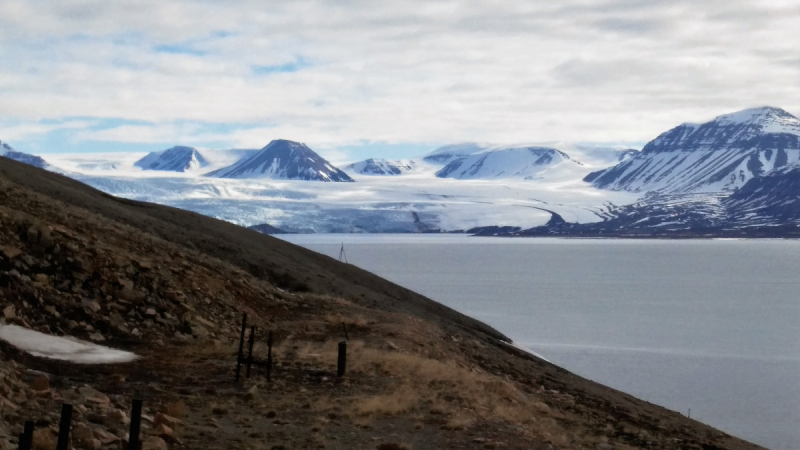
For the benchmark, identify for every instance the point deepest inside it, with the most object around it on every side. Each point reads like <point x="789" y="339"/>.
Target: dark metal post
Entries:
<point x="136" y="422"/>
<point x="63" y="427"/>
<point x="241" y="346"/>
<point x="342" y="359"/>
<point x="250" y="351"/>
<point x="26" y="438"/>
<point x="269" y="357"/>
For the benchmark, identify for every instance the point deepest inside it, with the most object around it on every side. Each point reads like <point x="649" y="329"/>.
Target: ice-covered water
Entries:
<point x="711" y="325"/>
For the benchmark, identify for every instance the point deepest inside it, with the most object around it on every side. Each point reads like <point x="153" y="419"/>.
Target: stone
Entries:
<point x="162" y="431"/>
<point x="251" y="394"/>
<point x="97" y="337"/>
<point x="174" y="409"/>
<point x="91" y="305"/>
<point x="93" y="444"/>
<point x="40" y="383"/>
<point x="45" y="238"/>
<point x="91" y="395"/>
<point x="11" y="252"/>
<point x="81" y="434"/>
<point x="150" y="312"/>
<point x="105" y="437"/>
<point x="199" y="331"/>
<point x="43" y="439"/>
<point x="33" y="235"/>
<point x="163" y="419"/>
<point x="154" y="443"/>
<point x="116" y="416"/>
<point x="42" y="279"/>
<point x="9" y="312"/>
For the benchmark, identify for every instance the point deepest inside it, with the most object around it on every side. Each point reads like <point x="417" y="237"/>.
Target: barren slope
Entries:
<point x="170" y="285"/>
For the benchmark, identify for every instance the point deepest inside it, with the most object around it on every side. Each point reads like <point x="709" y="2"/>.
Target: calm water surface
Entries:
<point x="711" y="325"/>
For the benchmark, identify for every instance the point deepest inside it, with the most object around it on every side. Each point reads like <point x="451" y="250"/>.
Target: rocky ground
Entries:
<point x="171" y="286"/>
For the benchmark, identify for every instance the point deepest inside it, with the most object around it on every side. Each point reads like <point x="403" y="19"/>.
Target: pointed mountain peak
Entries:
<point x="283" y="159"/>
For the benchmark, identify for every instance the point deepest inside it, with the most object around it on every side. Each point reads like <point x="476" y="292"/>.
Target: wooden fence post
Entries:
<point x="136" y="422"/>
<point x="342" y="363"/>
<point x="241" y="346"/>
<point x="26" y="438"/>
<point x="269" y="357"/>
<point x="63" y="427"/>
<point x="250" y="351"/>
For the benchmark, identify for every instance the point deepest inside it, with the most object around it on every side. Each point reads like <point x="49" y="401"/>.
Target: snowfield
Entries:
<point x="414" y="201"/>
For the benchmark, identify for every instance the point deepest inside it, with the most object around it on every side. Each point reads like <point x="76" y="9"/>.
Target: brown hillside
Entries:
<point x="170" y="285"/>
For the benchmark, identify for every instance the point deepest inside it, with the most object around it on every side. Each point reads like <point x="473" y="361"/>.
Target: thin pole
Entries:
<point x="136" y="421"/>
<point x="63" y="427"/>
<point x="250" y="352"/>
<point x="342" y="363"/>
<point x="241" y="346"/>
<point x="269" y="357"/>
<point x="26" y="438"/>
<point x="344" y="327"/>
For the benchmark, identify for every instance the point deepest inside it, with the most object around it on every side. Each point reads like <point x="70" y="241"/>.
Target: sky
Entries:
<point x="357" y="79"/>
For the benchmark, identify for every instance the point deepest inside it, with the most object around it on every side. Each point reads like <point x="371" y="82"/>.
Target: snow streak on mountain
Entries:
<point x="377" y="166"/>
<point x="282" y="159"/>
<point x="524" y="163"/>
<point x="8" y="152"/>
<point x="175" y="159"/>
<point x="720" y="155"/>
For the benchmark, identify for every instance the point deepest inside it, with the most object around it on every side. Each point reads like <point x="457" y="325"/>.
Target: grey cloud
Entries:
<point x="402" y="71"/>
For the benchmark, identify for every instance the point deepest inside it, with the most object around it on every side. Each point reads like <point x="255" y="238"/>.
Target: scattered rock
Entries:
<point x="91" y="305"/>
<point x="251" y="394"/>
<point x="97" y="337"/>
<point x="40" y="383"/>
<point x="9" y="312"/>
<point x="163" y="419"/>
<point x="93" y="396"/>
<point x="43" y="439"/>
<point x="174" y="409"/>
<point x="81" y="434"/>
<point x="11" y="252"/>
<point x="199" y="332"/>
<point x="115" y="416"/>
<point x="163" y="431"/>
<point x="154" y="443"/>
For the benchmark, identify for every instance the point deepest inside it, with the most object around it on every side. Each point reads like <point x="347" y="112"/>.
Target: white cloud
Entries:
<point x="609" y="70"/>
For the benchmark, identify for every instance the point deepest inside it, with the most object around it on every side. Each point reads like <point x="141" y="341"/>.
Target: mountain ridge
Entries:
<point x="719" y="155"/>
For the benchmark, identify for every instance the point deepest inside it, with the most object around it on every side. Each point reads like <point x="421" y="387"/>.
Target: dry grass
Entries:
<point x="420" y="383"/>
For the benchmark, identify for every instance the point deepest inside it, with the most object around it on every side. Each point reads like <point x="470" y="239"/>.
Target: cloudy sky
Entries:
<point x="393" y="79"/>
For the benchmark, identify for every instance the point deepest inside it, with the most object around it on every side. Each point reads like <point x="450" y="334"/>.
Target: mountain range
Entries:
<point x="737" y="173"/>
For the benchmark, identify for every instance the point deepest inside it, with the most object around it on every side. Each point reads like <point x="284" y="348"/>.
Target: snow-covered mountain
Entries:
<point x="282" y="159"/>
<point x="720" y="155"/>
<point x="8" y="152"/>
<point x="175" y="159"/>
<point x="522" y="163"/>
<point x="377" y="166"/>
<point x="444" y="155"/>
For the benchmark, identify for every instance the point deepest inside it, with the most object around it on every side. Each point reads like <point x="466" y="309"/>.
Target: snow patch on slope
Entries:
<point x="62" y="348"/>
